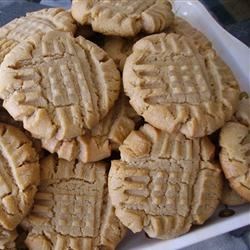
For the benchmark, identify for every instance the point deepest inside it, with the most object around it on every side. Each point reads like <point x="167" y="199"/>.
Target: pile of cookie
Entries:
<point x="115" y="115"/>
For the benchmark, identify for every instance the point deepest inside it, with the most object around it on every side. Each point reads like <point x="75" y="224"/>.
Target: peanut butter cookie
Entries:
<point x="39" y="21"/>
<point x="235" y="150"/>
<point x="97" y="144"/>
<point x="123" y="18"/>
<point x="19" y="176"/>
<point x="164" y="182"/>
<point x="178" y="89"/>
<point x="72" y="209"/>
<point x="58" y="85"/>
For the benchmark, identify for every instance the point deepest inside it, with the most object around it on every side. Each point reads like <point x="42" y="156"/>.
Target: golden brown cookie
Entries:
<point x="164" y="182"/>
<point x="58" y="85"/>
<point x="72" y="209"/>
<point x="229" y="197"/>
<point x="123" y="18"/>
<point x="7" y="119"/>
<point x="178" y="89"/>
<point x="39" y="21"/>
<point x="183" y="27"/>
<point x="97" y="144"/>
<point x="19" y="176"/>
<point x="117" y="125"/>
<point x="44" y="20"/>
<point x="235" y="150"/>
<point x="7" y="239"/>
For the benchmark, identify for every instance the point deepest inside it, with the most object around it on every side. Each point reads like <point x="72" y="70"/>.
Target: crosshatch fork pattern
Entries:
<point x="124" y="18"/>
<point x="175" y="87"/>
<point x="164" y="182"/>
<point x="69" y="83"/>
<point x="178" y="69"/>
<point x="72" y="207"/>
<point x="40" y="21"/>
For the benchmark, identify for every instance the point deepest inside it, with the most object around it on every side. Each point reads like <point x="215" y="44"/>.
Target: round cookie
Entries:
<point x="230" y="197"/>
<point x="235" y="150"/>
<point x="123" y="18"/>
<point x="39" y="21"/>
<point x="7" y="239"/>
<point x="183" y="27"/>
<point x="58" y="85"/>
<point x="164" y="182"/>
<point x="97" y="144"/>
<point x="72" y="209"/>
<point x="19" y="176"/>
<point x="178" y="89"/>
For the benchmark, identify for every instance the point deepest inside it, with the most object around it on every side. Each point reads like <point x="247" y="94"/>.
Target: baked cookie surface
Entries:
<point x="58" y="85"/>
<point x="19" y="176"/>
<point x="164" y="182"/>
<point x="6" y="118"/>
<point x="40" y="21"/>
<point x="123" y="18"/>
<point x="183" y="27"/>
<point x="72" y="209"/>
<point x="176" y="88"/>
<point x="235" y="150"/>
<point x="96" y="144"/>
<point x="44" y="20"/>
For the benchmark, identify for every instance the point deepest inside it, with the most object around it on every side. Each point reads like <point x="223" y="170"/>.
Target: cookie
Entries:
<point x="7" y="119"/>
<point x="118" y="124"/>
<point x="19" y="176"/>
<point x="235" y="150"/>
<point x="119" y="48"/>
<point x="72" y="209"/>
<point x="44" y="20"/>
<point x="164" y="182"/>
<point x="123" y="18"/>
<point x="242" y="114"/>
<point x="230" y="197"/>
<point x="176" y="88"/>
<point x="58" y="85"/>
<point x="183" y="27"/>
<point x="98" y="143"/>
<point x="7" y="239"/>
<point x="40" y="21"/>
<point x="6" y="45"/>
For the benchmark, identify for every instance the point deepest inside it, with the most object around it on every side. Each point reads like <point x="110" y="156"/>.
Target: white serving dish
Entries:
<point x="237" y="56"/>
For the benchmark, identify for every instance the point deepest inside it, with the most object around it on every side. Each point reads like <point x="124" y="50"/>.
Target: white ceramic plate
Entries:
<point x="237" y="56"/>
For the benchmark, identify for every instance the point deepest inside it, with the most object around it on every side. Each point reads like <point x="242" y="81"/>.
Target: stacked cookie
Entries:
<point x="152" y="98"/>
